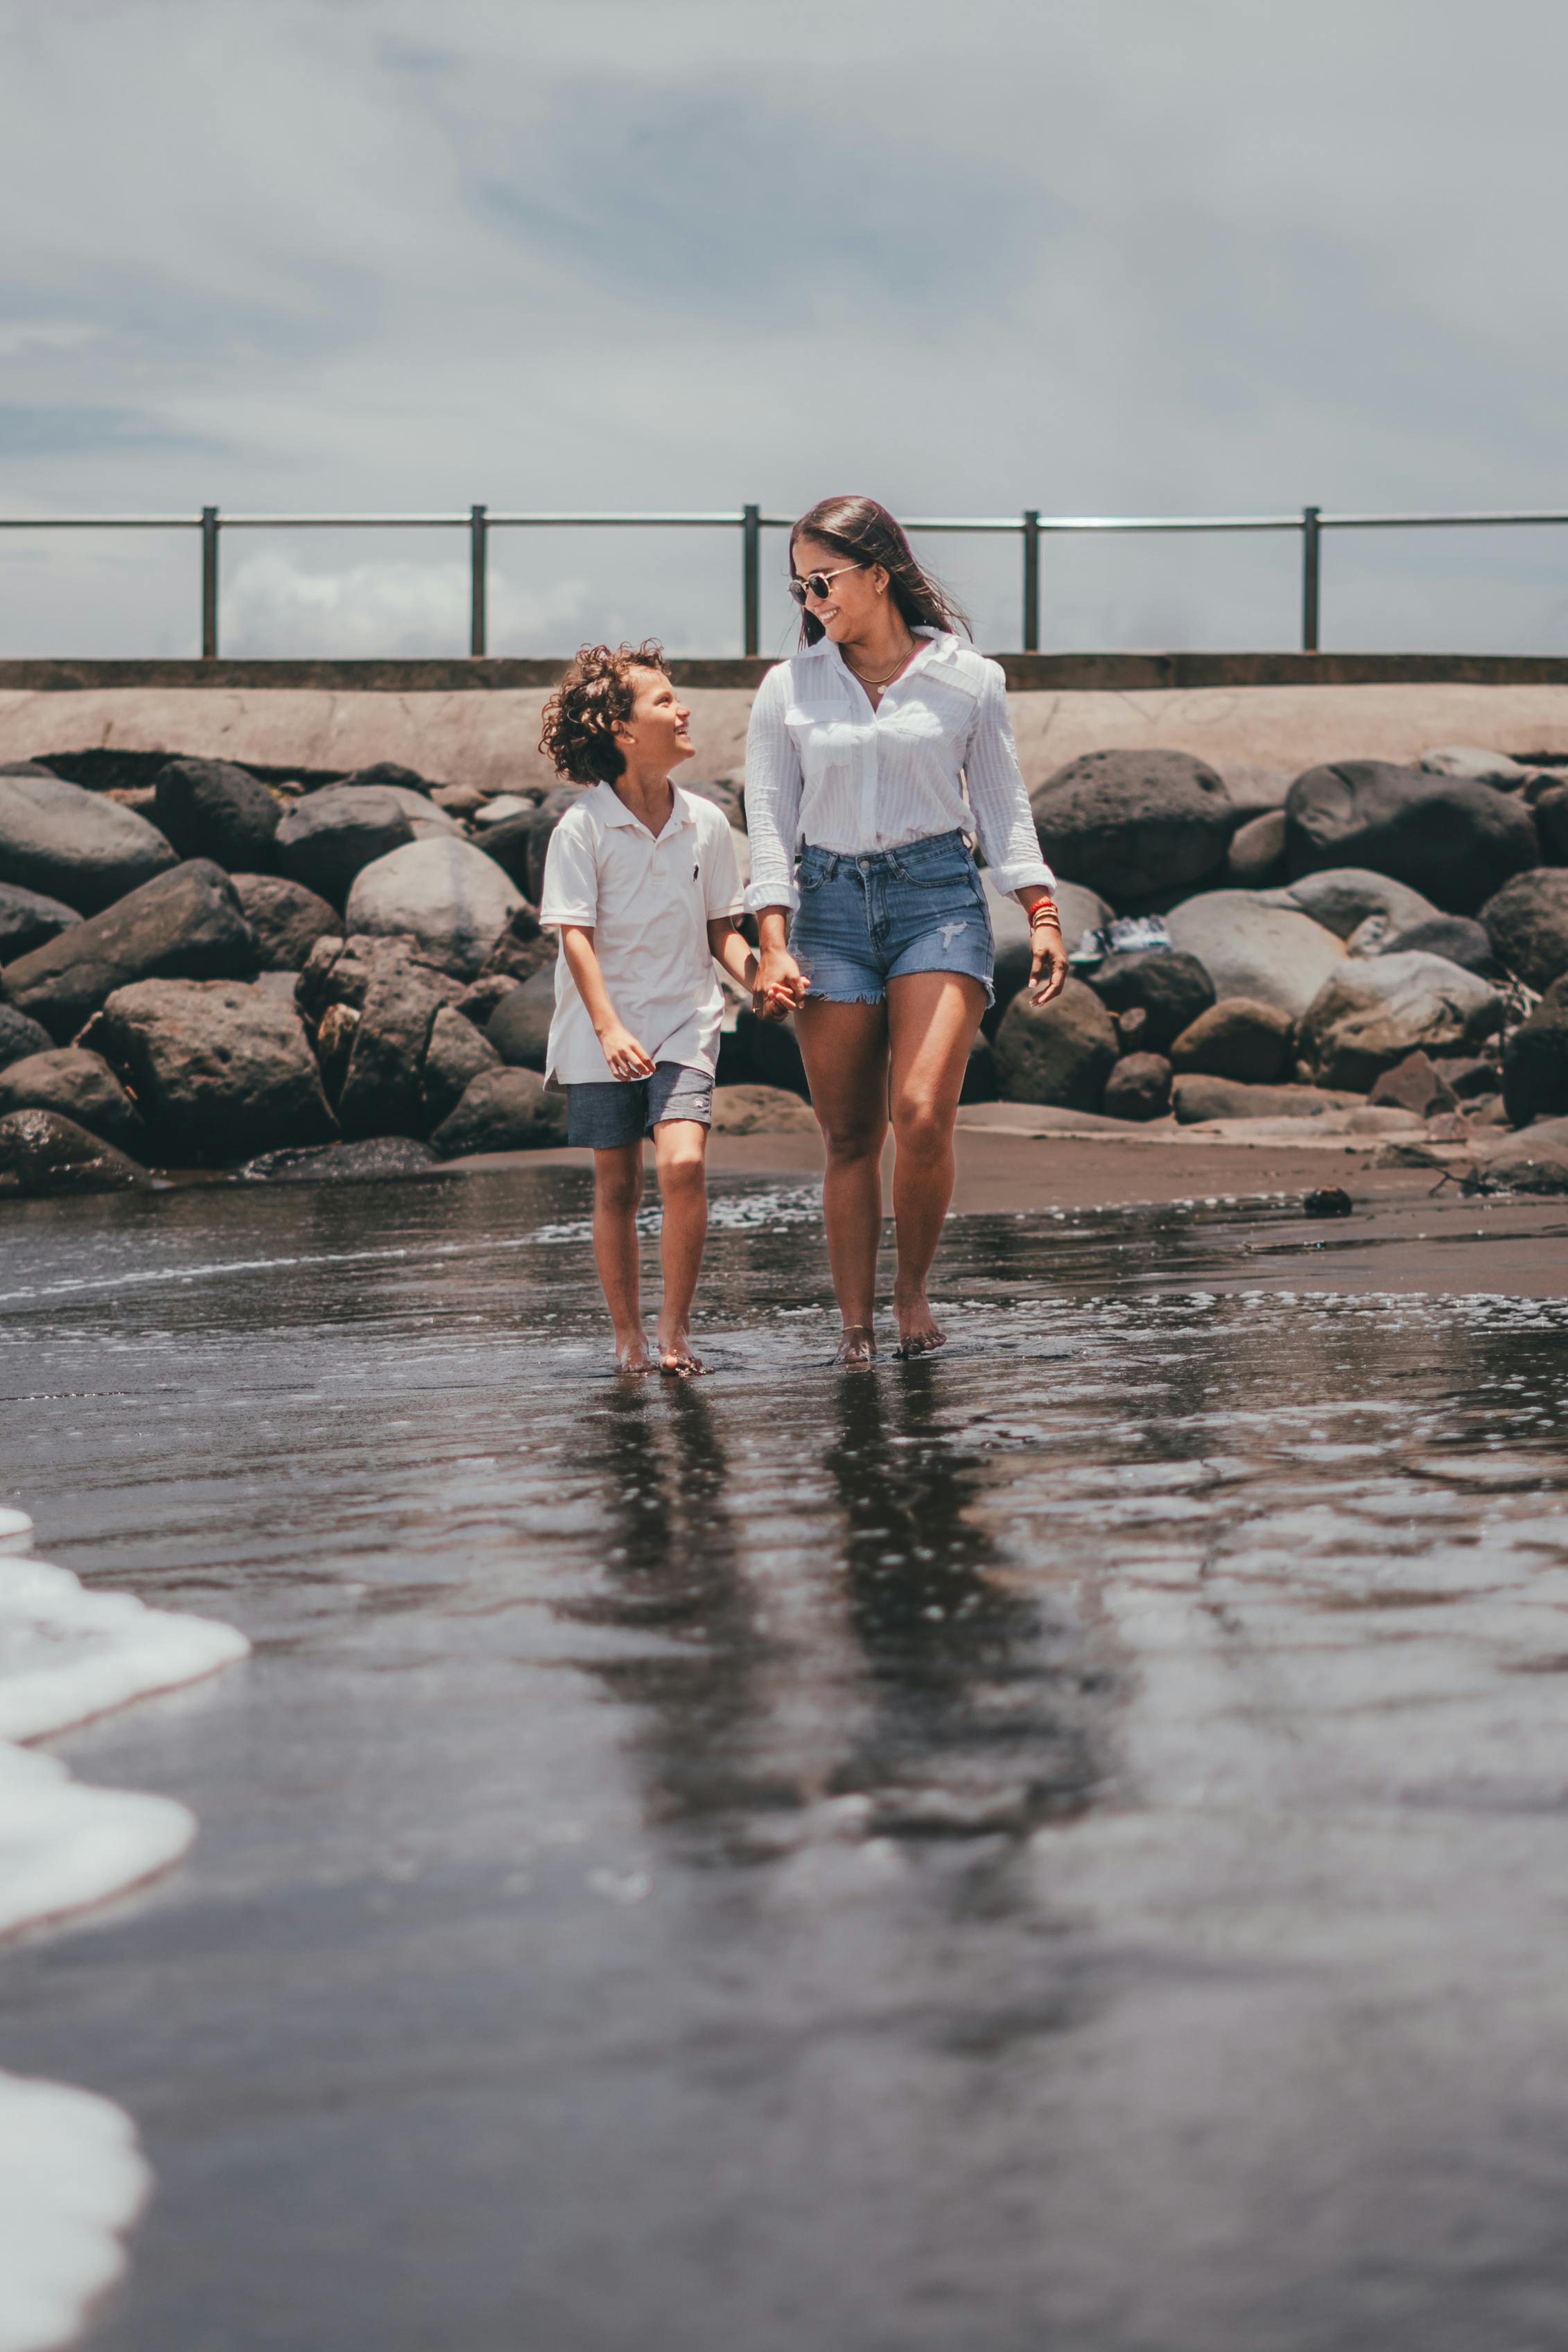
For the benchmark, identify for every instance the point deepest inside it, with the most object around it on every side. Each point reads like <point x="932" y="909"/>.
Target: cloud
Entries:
<point x="276" y="605"/>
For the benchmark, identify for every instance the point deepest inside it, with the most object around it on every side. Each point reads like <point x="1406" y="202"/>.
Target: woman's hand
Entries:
<point x="781" y="985"/>
<point x="623" y="1055"/>
<point x="1048" y="954"/>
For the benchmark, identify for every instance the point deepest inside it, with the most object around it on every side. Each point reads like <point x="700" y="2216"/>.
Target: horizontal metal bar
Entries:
<point x="619" y="521"/>
<point x="1434" y="521"/>
<point x="100" y="522"/>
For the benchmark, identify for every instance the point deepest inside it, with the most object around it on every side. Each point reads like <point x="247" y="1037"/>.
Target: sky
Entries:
<point x="1098" y="257"/>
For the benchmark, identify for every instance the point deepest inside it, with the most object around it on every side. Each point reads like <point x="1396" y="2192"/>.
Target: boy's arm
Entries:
<point x="731" y="950"/>
<point x="625" y="1055"/>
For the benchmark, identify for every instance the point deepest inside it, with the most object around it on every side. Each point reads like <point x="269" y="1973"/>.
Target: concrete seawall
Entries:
<point x="479" y="721"/>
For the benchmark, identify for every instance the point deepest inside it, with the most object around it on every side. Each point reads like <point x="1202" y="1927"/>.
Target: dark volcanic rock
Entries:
<point x="396" y="997"/>
<point x="1453" y="840"/>
<point x="387" y="771"/>
<point x="285" y="920"/>
<point x="74" y="845"/>
<point x="378" y="1159"/>
<point x="29" y="919"/>
<point x="19" y="1036"/>
<point x="1058" y="1053"/>
<point x="1377" y="1009"/>
<point x="1139" y="1087"/>
<point x="40" y="1152"/>
<point x="183" y="925"/>
<point x="1458" y="936"/>
<point x="481" y="997"/>
<point x="504" y="1111"/>
<point x="329" y="837"/>
<point x="980" y="1083"/>
<point x="1240" y="1037"/>
<point x="81" y="1086"/>
<point x="521" y="949"/>
<point x="764" y="1054"/>
<point x="1257" y="856"/>
<point x="1169" y="988"/>
<point x="454" y="1056"/>
<point x="1415" y="1084"/>
<point x="519" y="1029"/>
<point x="1527" y="923"/>
<point x="209" y="808"/>
<point x="508" y="842"/>
<point x="542" y="824"/>
<point x="447" y="893"/>
<point x="1132" y="825"/>
<point x="1194" y="1099"/>
<point x="221" y="1070"/>
<point x="1535" y="1061"/>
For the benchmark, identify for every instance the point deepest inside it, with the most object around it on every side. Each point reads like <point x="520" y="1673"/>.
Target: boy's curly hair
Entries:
<point x="593" y="698"/>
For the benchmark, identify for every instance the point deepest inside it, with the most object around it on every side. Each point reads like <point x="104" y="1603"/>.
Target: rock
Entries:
<point x="1523" y="1164"/>
<point x="399" y="779"/>
<point x="1061" y="1053"/>
<point x="458" y="800"/>
<point x="481" y="996"/>
<point x="725" y="794"/>
<point x="20" y="1036"/>
<point x="335" y="1043"/>
<point x="504" y="1111"/>
<point x="219" y="1069"/>
<point x="508" y="842"/>
<point x="1252" y="792"/>
<point x="492" y="813"/>
<point x="546" y="817"/>
<point x="331" y="837"/>
<point x="1527" y="923"/>
<point x="1535" y="1060"/>
<point x="395" y="996"/>
<point x="1251" y="947"/>
<point x="1480" y="767"/>
<point x="523" y="947"/>
<point x="1197" y="1099"/>
<point x="519" y="1029"/>
<point x="1415" y="1084"/>
<point x="1239" y="1037"/>
<point x="285" y="920"/>
<point x="447" y="895"/>
<point x="1453" y="840"/>
<point x="761" y="1110"/>
<point x="981" y="1084"/>
<point x="40" y="1153"/>
<point x="1132" y="1026"/>
<point x="81" y="1086"/>
<point x="29" y="919"/>
<point x="1171" y="990"/>
<point x="456" y="1053"/>
<point x="208" y="808"/>
<point x="1384" y="1119"/>
<point x="1255" y="860"/>
<point x="1552" y="824"/>
<point x="761" y="1053"/>
<point x="1080" y="910"/>
<point x="74" y="845"/>
<point x="1344" y="897"/>
<point x="185" y="924"/>
<point x="1373" y="1013"/>
<point x="1328" y="1200"/>
<point x="1463" y="940"/>
<point x="1139" y="1087"/>
<point x="427" y="821"/>
<point x="1448" y="1127"/>
<point x="1132" y="824"/>
<point x="378" y="1159"/>
<point x="1469" y="1077"/>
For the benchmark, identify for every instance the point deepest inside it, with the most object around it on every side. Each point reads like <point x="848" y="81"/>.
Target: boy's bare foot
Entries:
<point x="677" y="1357"/>
<point x="633" y="1355"/>
<point x="919" y="1331"/>
<point x="857" y="1349"/>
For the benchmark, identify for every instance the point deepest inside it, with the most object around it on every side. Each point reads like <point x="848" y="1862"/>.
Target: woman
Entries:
<point x="860" y="750"/>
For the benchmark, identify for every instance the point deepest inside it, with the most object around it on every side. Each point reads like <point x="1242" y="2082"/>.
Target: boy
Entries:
<point x="642" y="885"/>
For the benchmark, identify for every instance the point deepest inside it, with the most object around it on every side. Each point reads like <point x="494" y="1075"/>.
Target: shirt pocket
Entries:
<point x="941" y="709"/>
<point x="822" y="733"/>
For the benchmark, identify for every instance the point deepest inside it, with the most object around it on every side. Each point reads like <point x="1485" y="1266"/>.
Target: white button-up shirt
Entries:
<point x="822" y="766"/>
<point x="648" y="903"/>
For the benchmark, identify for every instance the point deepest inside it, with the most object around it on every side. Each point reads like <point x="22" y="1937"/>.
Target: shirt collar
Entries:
<point x="610" y="809"/>
<point x="921" y="630"/>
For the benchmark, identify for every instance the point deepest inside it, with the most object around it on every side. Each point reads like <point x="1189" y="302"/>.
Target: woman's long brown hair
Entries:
<point x="865" y="533"/>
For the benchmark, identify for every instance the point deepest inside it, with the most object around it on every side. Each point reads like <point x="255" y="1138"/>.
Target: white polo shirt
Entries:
<point x="648" y="903"/>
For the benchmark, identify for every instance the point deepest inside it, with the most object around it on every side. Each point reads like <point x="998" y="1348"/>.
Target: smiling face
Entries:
<point x="658" y="734"/>
<point x="855" y="601"/>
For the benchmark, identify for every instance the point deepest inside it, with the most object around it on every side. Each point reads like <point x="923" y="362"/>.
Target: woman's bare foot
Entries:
<point x="919" y="1331"/>
<point x="633" y="1356"/>
<point x="857" y="1349"/>
<point x="675" y="1356"/>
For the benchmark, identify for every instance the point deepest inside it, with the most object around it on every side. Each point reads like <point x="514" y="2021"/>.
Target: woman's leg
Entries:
<point x="844" y="1049"/>
<point x="932" y="1018"/>
<point x="617" y="1190"/>
<point x="680" y="1155"/>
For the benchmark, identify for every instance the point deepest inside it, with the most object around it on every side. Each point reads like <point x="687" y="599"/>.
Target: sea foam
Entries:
<point x="72" y="2178"/>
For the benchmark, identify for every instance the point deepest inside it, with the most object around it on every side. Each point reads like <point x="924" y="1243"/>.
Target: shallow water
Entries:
<point x="1065" y="1844"/>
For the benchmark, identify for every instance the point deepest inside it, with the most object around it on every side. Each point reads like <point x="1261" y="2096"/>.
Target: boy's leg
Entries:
<point x="680" y="1155"/>
<point x="617" y="1192"/>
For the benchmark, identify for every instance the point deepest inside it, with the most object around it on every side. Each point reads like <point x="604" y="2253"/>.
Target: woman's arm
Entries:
<point x="1003" y="817"/>
<point x="625" y="1055"/>
<point x="773" y="788"/>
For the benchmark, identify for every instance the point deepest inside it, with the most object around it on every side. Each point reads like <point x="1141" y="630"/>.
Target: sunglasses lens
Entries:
<point x="817" y="586"/>
<point x="797" y="590"/>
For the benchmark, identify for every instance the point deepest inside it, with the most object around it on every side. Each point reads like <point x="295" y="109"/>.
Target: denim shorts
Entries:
<point x="863" y="921"/>
<point x="607" y="1114"/>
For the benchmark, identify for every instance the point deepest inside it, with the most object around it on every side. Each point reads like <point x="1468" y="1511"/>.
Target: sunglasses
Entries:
<point x="815" y="585"/>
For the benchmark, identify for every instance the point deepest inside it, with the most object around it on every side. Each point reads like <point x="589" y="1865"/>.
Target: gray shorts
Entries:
<point x="619" y="1111"/>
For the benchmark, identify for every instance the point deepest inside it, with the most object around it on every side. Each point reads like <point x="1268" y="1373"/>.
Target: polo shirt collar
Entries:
<point x="610" y="809"/>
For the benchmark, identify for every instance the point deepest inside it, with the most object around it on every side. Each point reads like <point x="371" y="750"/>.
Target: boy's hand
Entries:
<point x="781" y="983"/>
<point x="623" y="1055"/>
<point x="774" y="1003"/>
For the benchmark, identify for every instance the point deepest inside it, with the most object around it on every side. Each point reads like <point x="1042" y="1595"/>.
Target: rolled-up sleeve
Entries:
<point x="772" y="797"/>
<point x="1003" y="817"/>
<point x="570" y="892"/>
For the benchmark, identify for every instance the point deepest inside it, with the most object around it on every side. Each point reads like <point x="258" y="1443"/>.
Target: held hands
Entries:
<point x="623" y="1055"/>
<point x="779" y="987"/>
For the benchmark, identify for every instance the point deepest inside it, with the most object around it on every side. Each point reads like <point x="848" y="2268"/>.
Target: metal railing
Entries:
<point x="1031" y="526"/>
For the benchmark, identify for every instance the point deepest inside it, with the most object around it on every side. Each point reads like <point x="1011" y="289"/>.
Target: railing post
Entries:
<point x="1031" y="579"/>
<point x="479" y="549"/>
<point x="1311" y="535"/>
<point x="209" y="584"/>
<point x="752" y="579"/>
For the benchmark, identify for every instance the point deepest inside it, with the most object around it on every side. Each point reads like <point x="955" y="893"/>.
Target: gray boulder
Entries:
<point x="508" y="842"/>
<point x="1374" y="1012"/>
<point x="1081" y="910"/>
<point x="221" y="1070"/>
<point x="1255" y="860"/>
<point x="19" y="1036"/>
<point x="81" y="1086"/>
<point x="447" y="895"/>
<point x="519" y="1028"/>
<point x="27" y="920"/>
<point x="1527" y="924"/>
<point x="1253" y="790"/>
<point x="1415" y="1084"/>
<point x="185" y="924"/>
<point x="1535" y="1061"/>
<point x="1344" y="897"/>
<point x="427" y="820"/>
<point x="761" y="1110"/>
<point x="43" y="1153"/>
<point x="379" y="1160"/>
<point x="1133" y="825"/>
<point x="761" y="1053"/>
<point x="454" y="1055"/>
<point x="1455" y="840"/>
<point x="1170" y="989"/>
<point x="545" y="819"/>
<point x="375" y="1003"/>
<point x="285" y="920"/>
<point x="503" y="1110"/>
<point x="1551" y="825"/>
<point x="1238" y="1038"/>
<point x="1530" y="1162"/>
<point x="1481" y="766"/>
<point x="1139" y="1087"/>
<point x="74" y="845"/>
<point x="523" y="947"/>
<point x="1197" y="1099"/>
<point x="209" y="808"/>
<point x="1459" y="937"/>
<point x="1058" y="1053"/>
<point x="396" y="777"/>
<point x="1249" y="946"/>
<point x="329" y="837"/>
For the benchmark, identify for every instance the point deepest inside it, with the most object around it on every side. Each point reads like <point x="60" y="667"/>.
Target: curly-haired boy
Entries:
<point x="642" y="885"/>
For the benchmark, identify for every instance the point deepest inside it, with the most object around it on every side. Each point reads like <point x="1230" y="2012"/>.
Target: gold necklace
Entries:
<point x="879" y="682"/>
